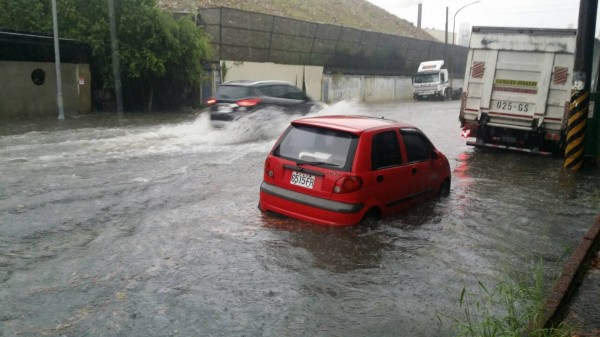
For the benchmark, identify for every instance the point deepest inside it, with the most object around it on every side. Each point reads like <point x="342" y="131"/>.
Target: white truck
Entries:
<point x="517" y="88"/>
<point x="432" y="81"/>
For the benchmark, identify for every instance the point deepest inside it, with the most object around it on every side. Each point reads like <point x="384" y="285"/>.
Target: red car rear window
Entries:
<point x="313" y="144"/>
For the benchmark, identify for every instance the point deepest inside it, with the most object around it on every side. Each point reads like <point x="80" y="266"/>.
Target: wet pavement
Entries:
<point x="148" y="226"/>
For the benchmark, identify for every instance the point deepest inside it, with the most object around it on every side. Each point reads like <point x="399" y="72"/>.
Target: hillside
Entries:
<point x="350" y="13"/>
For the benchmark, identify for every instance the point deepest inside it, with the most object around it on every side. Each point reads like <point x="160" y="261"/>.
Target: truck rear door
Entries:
<point x="520" y="78"/>
<point x="559" y="93"/>
<point x="520" y="89"/>
<point x="481" y="67"/>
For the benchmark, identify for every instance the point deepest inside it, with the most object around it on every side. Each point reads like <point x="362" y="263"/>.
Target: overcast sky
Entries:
<point x="511" y="13"/>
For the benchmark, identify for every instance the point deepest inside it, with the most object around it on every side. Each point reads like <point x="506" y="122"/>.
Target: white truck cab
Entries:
<point x="431" y="81"/>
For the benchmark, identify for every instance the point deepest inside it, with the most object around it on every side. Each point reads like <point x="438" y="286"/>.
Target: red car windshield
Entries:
<point x="318" y="146"/>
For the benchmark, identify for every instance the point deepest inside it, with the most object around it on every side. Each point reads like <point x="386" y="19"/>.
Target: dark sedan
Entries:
<point x="237" y="99"/>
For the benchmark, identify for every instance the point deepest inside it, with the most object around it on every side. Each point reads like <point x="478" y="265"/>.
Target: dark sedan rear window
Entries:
<point x="283" y="91"/>
<point x="233" y="92"/>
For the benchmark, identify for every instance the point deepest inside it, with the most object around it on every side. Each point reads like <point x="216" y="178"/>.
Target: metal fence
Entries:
<point x="249" y="36"/>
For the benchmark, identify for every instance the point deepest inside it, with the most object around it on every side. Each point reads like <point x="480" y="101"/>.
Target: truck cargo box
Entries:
<point x="517" y="87"/>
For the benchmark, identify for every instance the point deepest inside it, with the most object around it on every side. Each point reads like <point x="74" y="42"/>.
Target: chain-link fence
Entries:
<point x="248" y="36"/>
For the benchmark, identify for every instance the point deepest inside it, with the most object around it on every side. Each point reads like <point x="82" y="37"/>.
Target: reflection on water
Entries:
<point x="330" y="248"/>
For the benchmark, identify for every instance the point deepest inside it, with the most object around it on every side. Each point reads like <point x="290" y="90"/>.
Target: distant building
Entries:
<point x="27" y="60"/>
<point x="439" y="35"/>
<point x="461" y="38"/>
<point x="464" y="34"/>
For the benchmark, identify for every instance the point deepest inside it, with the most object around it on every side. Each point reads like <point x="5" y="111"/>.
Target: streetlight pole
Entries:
<point x="453" y="34"/>
<point x="446" y="37"/>
<point x="454" y="19"/>
<point x="57" y="65"/>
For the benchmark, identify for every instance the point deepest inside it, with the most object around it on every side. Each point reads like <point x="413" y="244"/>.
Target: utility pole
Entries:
<point x="446" y="38"/>
<point x="420" y="12"/>
<point x="580" y="92"/>
<point x="59" y="96"/>
<point x="114" y="43"/>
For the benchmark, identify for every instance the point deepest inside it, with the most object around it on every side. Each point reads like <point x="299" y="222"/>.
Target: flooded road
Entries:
<point x="150" y="227"/>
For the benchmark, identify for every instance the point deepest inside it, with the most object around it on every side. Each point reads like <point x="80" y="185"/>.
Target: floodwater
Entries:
<point x="149" y="226"/>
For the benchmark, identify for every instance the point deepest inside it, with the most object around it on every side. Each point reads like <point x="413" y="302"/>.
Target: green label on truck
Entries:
<point x="519" y="83"/>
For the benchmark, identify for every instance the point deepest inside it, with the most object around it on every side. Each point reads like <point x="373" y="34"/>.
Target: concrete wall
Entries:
<point x="369" y="88"/>
<point x="366" y="88"/>
<point x="312" y="75"/>
<point x="328" y="88"/>
<point x="20" y="96"/>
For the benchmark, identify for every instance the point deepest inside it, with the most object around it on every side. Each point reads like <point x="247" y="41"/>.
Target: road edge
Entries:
<point x="556" y="304"/>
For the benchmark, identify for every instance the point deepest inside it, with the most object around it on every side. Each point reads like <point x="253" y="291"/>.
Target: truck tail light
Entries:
<point x="250" y="102"/>
<point x="552" y="136"/>
<point x="466" y="133"/>
<point x="347" y="185"/>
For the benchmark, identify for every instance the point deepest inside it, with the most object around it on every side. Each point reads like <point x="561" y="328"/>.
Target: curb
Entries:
<point x="557" y="302"/>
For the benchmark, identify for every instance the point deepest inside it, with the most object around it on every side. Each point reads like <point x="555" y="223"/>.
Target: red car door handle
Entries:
<point x="379" y="178"/>
<point x="414" y="170"/>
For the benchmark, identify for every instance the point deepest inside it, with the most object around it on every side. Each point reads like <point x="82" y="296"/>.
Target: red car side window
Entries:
<point x="385" y="151"/>
<point x="417" y="146"/>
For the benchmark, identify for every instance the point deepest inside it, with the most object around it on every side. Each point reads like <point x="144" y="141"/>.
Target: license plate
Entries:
<point x="508" y="139"/>
<point x="224" y="109"/>
<point x="302" y="179"/>
<point x="512" y="106"/>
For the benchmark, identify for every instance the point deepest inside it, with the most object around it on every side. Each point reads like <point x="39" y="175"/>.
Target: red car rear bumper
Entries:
<point x="309" y="208"/>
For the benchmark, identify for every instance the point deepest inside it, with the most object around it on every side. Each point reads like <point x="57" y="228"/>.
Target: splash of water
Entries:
<point x="255" y="132"/>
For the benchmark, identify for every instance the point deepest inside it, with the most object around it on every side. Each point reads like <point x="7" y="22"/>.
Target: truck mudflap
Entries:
<point x="508" y="147"/>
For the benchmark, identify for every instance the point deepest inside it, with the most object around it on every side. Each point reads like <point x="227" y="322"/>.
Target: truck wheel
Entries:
<point x="456" y="94"/>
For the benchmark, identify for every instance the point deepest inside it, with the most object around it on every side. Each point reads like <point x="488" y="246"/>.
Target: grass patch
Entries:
<point x="512" y="308"/>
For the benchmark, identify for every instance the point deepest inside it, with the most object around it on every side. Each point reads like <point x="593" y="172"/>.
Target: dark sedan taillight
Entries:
<point x="249" y="102"/>
<point x="211" y="101"/>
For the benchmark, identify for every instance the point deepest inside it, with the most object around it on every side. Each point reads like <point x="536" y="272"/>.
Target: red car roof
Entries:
<point x="352" y="124"/>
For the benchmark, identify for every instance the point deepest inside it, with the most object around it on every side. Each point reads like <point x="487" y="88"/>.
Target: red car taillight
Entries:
<point x="269" y="168"/>
<point x="250" y="102"/>
<point x="211" y="101"/>
<point x="347" y="185"/>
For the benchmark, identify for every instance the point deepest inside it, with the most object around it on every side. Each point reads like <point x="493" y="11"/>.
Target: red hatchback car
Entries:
<point x="339" y="170"/>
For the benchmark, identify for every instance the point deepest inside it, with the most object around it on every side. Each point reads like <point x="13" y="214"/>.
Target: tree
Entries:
<point x="160" y="47"/>
<point x="26" y="15"/>
<point x="154" y="47"/>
